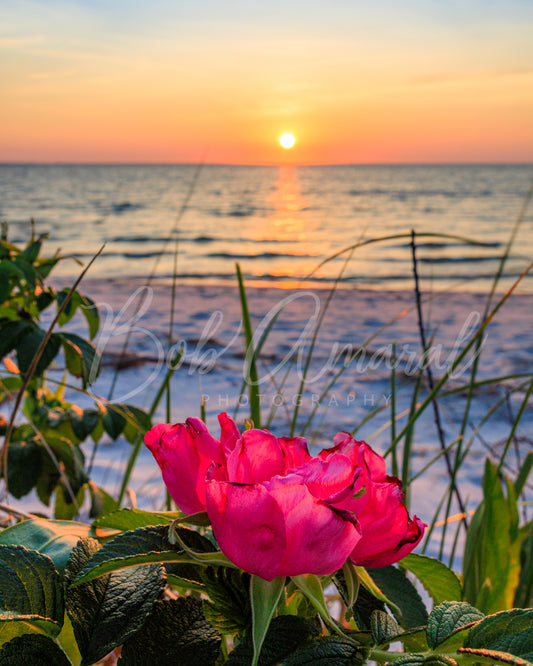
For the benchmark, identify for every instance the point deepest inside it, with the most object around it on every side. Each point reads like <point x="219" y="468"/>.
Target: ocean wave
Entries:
<point x="405" y="194"/>
<point x="125" y="207"/>
<point x="262" y="255"/>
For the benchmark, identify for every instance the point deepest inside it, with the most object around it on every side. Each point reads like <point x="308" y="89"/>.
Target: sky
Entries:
<point x="220" y="80"/>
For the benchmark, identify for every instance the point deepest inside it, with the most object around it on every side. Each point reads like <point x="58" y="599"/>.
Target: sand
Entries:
<point x="207" y="329"/>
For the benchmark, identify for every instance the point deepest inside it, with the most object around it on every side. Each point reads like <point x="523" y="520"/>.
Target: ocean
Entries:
<point x="278" y="223"/>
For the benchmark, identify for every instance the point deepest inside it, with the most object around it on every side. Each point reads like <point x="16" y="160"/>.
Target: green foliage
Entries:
<point x="383" y="627"/>
<point x="54" y="538"/>
<point x="144" y="546"/>
<point x="229" y="606"/>
<point x="408" y="609"/>
<point x="112" y="594"/>
<point x="327" y="651"/>
<point x="30" y="589"/>
<point x="140" y="589"/>
<point x="44" y="454"/>
<point x="439" y="582"/>
<point x="285" y="635"/>
<point x="176" y="632"/>
<point x="36" y="650"/>
<point x="264" y="598"/>
<point x="447" y="618"/>
<point x="109" y="610"/>
<point x="509" y="631"/>
<point x="491" y="562"/>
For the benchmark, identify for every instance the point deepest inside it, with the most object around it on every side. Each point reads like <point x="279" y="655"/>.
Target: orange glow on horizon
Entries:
<point x="223" y="96"/>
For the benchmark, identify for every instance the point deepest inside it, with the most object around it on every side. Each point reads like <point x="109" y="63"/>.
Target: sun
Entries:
<point x="287" y="140"/>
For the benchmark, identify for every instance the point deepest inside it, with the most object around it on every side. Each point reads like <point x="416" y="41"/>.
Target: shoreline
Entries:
<point x="207" y="329"/>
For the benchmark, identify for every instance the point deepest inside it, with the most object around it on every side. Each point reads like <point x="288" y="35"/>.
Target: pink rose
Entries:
<point x="389" y="534"/>
<point x="277" y="511"/>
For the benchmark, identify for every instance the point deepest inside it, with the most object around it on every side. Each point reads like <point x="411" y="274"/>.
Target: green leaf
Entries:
<point x="327" y="651"/>
<point x="5" y="287"/>
<point x="33" y="649"/>
<point x="176" y="632"/>
<point x="447" y="618"/>
<point x="285" y="634"/>
<point x="400" y="595"/>
<point x="101" y="501"/>
<point x="55" y="538"/>
<point x="90" y="311"/>
<point x="142" y="546"/>
<point x="24" y="624"/>
<point x="71" y="307"/>
<point x="130" y="519"/>
<point x="30" y="586"/>
<point x="430" y="660"/>
<point x="483" y="656"/>
<point x="108" y="611"/>
<point x="81" y="358"/>
<point x="491" y="565"/>
<point x="524" y="592"/>
<point x="351" y="583"/>
<point x="310" y="585"/>
<point x="23" y="466"/>
<point x="264" y="597"/>
<point x="228" y="609"/>
<point x="45" y="266"/>
<point x="29" y="274"/>
<point x="410" y="660"/>
<point x="415" y="640"/>
<point x="112" y="419"/>
<point x="72" y="459"/>
<point x="27" y="350"/>
<point x="138" y="422"/>
<point x="64" y="507"/>
<point x="509" y="631"/>
<point x="215" y="558"/>
<point x="523" y="475"/>
<point x="31" y="251"/>
<point x="67" y="641"/>
<point x="83" y="422"/>
<point x="365" y="605"/>
<point x="439" y="582"/>
<point x="383" y="627"/>
<point x="456" y="639"/>
<point x="44" y="299"/>
<point x="11" y="333"/>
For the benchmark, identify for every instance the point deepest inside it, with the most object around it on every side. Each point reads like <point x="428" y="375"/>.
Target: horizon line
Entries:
<point x="261" y="164"/>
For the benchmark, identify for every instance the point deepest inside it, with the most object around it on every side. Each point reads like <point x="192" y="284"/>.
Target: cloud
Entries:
<point x="20" y="42"/>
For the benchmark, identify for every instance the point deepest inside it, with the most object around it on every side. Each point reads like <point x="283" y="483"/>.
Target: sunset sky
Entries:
<point x="219" y="81"/>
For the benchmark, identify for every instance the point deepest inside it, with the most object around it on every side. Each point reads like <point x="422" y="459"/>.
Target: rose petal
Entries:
<point x="182" y="464"/>
<point x="248" y="525"/>
<point x="319" y="540"/>
<point x="332" y="479"/>
<point x="388" y="532"/>
<point x="257" y="457"/>
<point x="208" y="445"/>
<point x="229" y="433"/>
<point x="295" y="451"/>
<point x="153" y="436"/>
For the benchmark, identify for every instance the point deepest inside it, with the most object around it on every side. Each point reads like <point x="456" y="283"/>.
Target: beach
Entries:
<point x="290" y="229"/>
<point x="207" y="330"/>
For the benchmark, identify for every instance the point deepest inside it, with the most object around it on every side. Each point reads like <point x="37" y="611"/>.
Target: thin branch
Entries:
<point x="431" y="383"/>
<point x="33" y="365"/>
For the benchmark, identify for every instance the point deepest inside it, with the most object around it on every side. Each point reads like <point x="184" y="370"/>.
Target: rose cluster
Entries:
<point x="276" y="510"/>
